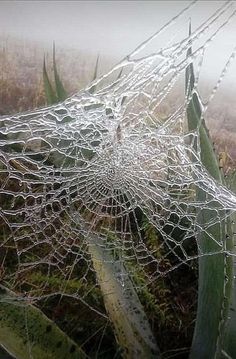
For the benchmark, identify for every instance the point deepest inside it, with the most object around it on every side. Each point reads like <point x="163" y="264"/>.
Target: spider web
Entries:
<point x="101" y="170"/>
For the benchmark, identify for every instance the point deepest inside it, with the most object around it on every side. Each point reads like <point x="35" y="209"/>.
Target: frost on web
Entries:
<point x="98" y="171"/>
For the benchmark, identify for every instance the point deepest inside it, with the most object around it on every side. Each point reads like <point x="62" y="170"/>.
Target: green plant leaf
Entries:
<point x="229" y="342"/>
<point x="118" y="77"/>
<point x="93" y="88"/>
<point x="60" y="90"/>
<point x="26" y="332"/>
<point x="213" y="288"/>
<point x="50" y="95"/>
<point x="132" y="329"/>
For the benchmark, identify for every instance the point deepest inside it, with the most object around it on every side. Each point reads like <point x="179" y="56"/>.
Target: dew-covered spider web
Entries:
<point x="93" y="178"/>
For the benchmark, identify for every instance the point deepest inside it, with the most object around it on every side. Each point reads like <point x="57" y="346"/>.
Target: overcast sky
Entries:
<point x="97" y="25"/>
<point x="107" y="27"/>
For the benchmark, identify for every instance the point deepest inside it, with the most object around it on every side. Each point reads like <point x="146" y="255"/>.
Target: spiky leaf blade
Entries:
<point x="93" y="88"/>
<point x="229" y="342"/>
<point x="60" y="90"/>
<point x="43" y="340"/>
<point x="50" y="95"/>
<point x="213" y="289"/>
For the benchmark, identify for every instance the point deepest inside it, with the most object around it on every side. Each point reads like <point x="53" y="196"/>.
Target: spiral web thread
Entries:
<point x="100" y="170"/>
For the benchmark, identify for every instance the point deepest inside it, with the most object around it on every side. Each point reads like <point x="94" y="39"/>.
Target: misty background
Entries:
<point x="112" y="29"/>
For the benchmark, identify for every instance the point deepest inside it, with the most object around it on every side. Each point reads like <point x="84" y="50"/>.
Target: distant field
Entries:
<point x="21" y="87"/>
<point x="21" y="76"/>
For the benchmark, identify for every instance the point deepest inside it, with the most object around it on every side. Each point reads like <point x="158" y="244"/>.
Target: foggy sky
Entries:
<point x="103" y="26"/>
<point x="106" y="27"/>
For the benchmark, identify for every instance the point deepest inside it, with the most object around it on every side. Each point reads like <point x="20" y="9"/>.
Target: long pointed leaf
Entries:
<point x="48" y="89"/>
<point x="229" y="342"/>
<point x="26" y="332"/>
<point x="213" y="289"/>
<point x="93" y="88"/>
<point x="125" y="311"/>
<point x="60" y="90"/>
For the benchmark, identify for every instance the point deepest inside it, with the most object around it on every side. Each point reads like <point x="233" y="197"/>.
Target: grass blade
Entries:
<point x="131" y="326"/>
<point x="48" y="89"/>
<point x="93" y="88"/>
<point x="60" y="90"/>
<point x="213" y="289"/>
<point x="229" y="342"/>
<point x="43" y="340"/>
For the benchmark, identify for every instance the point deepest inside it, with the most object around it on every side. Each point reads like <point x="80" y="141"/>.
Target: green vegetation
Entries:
<point x="228" y="341"/>
<point x="215" y="271"/>
<point x="25" y="331"/>
<point x="59" y="94"/>
<point x="164" y="310"/>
